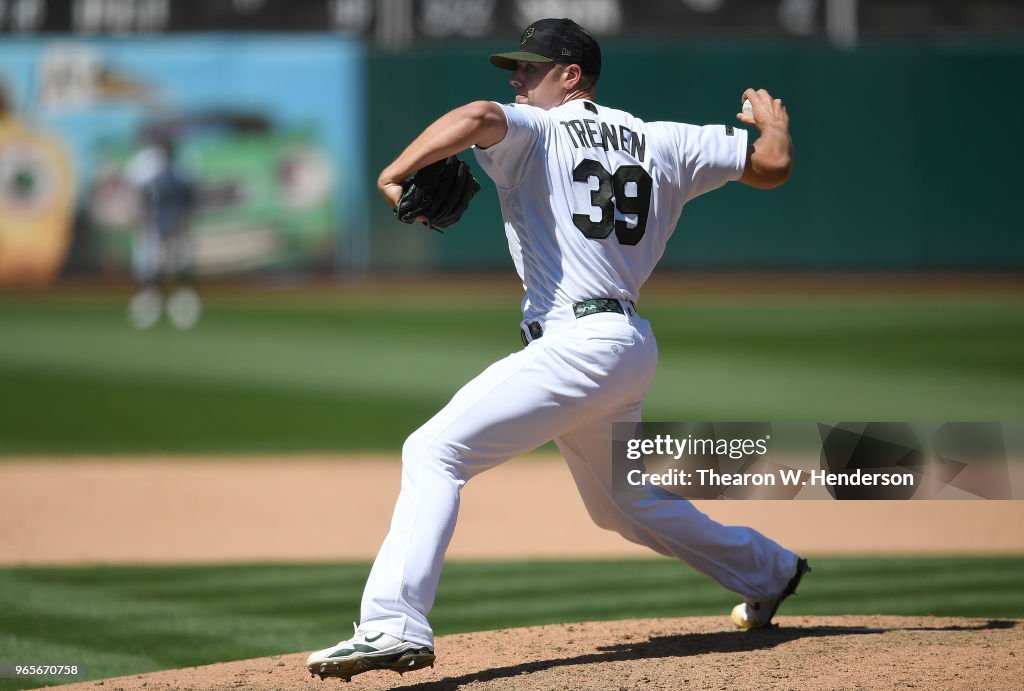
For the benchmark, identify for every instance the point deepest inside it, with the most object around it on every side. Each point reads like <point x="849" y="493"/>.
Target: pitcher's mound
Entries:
<point x="694" y="653"/>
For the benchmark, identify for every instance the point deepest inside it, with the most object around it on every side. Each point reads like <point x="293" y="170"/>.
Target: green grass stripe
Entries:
<point x="926" y="359"/>
<point x="74" y="413"/>
<point x="263" y="375"/>
<point x="122" y="620"/>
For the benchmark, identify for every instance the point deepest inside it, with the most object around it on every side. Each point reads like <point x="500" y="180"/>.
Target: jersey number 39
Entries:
<point x="611" y="195"/>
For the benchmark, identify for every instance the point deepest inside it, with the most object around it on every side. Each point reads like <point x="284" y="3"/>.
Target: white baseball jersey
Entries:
<point x="590" y="195"/>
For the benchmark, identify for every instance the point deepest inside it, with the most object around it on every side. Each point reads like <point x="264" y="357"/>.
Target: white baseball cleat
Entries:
<point x="758" y="614"/>
<point x="368" y="650"/>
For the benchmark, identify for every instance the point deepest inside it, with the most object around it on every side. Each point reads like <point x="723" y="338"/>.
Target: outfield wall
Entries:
<point x="906" y="157"/>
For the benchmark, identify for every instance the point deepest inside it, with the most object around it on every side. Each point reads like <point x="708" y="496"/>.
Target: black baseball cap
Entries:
<point x="554" y="40"/>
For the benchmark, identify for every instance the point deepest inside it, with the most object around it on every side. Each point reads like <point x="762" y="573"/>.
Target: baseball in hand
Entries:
<point x="748" y="107"/>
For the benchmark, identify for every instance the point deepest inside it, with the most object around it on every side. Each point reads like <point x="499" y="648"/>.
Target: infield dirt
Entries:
<point x="97" y="510"/>
<point x="821" y="653"/>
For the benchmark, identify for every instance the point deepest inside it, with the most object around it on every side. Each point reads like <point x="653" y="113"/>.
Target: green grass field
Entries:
<point x="121" y="620"/>
<point x="341" y="372"/>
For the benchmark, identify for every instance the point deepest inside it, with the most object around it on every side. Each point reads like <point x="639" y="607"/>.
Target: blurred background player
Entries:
<point x="162" y="256"/>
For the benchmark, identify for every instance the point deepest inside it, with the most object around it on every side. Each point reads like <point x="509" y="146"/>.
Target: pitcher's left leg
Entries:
<point x="511" y="408"/>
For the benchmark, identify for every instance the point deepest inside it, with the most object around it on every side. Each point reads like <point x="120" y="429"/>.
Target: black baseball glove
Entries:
<point x="439" y="192"/>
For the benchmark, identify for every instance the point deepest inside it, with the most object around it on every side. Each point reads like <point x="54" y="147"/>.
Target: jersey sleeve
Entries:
<point x="506" y="161"/>
<point x="710" y="156"/>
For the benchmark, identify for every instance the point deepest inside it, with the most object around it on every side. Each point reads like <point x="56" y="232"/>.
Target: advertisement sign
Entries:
<point x="263" y="126"/>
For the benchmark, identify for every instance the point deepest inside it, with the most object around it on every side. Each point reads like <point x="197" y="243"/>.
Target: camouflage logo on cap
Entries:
<point x="526" y="35"/>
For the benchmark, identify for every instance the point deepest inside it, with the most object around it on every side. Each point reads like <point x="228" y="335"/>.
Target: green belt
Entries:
<point x="596" y="306"/>
<point x="580" y="309"/>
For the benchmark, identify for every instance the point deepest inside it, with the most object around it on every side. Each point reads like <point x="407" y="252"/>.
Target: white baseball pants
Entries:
<point x="156" y="256"/>
<point x="569" y="385"/>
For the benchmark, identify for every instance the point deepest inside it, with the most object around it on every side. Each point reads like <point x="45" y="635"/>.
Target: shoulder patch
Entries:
<point x="728" y="131"/>
<point x="590" y="106"/>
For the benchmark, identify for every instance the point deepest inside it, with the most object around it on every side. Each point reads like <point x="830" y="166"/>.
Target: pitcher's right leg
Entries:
<point x="739" y="558"/>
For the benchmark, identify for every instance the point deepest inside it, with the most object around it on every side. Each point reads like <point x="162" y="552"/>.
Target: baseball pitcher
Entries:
<point x="590" y="196"/>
